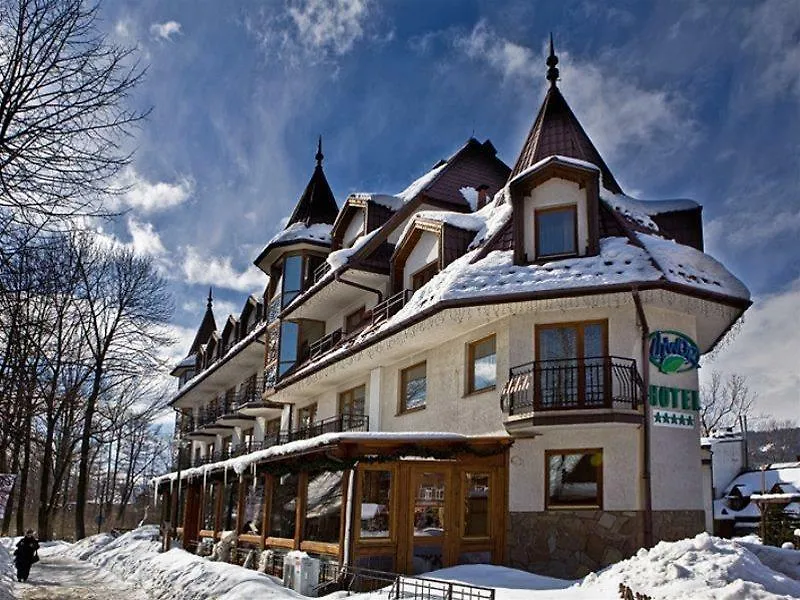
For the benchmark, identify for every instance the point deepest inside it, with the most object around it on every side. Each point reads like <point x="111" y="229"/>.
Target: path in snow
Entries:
<point x="60" y="578"/>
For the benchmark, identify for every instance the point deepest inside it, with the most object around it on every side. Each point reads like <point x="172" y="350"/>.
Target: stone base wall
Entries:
<point x="572" y="543"/>
<point x="671" y="525"/>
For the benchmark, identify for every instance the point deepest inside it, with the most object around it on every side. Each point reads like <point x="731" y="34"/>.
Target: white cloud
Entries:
<point x="765" y="351"/>
<point x="617" y="113"/>
<point x="316" y="30"/>
<point x="165" y="31"/>
<point x="219" y="272"/>
<point x="145" y="240"/>
<point x="773" y="34"/>
<point x="147" y="197"/>
<point x="124" y="28"/>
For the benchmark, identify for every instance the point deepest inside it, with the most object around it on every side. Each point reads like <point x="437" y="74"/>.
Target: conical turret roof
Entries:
<point x="316" y="204"/>
<point x="557" y="131"/>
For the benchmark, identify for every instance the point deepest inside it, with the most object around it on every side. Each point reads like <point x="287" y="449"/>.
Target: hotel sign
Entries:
<point x="673" y="352"/>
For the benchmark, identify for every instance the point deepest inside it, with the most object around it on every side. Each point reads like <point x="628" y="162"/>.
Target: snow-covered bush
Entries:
<point x="222" y="549"/>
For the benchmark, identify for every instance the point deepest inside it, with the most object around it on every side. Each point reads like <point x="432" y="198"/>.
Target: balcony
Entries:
<point x="323" y="345"/>
<point x="599" y="384"/>
<point x="336" y="424"/>
<point x="383" y="311"/>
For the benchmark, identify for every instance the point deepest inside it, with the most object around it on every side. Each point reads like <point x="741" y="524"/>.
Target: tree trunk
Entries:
<point x="83" y="464"/>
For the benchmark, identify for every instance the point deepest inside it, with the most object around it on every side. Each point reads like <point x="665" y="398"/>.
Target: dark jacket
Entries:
<point x="26" y="548"/>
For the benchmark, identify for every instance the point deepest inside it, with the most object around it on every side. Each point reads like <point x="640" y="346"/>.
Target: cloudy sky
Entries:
<point x="694" y="99"/>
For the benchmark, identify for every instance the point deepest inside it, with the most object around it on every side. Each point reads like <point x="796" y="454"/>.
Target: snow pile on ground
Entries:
<point x="7" y="574"/>
<point x="778" y="559"/>
<point x="701" y="568"/>
<point x="174" y="575"/>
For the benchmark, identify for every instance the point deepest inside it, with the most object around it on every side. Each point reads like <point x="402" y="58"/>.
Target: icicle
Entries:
<point x="205" y="479"/>
<point x="225" y="476"/>
<point x="253" y="465"/>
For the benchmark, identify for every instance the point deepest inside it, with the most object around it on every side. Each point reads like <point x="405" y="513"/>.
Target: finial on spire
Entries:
<point x="552" y="61"/>
<point x="210" y="299"/>
<point x="319" y="155"/>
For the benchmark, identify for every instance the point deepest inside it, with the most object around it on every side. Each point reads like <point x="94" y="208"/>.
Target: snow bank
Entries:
<point x="701" y="568"/>
<point x="778" y="559"/>
<point x="7" y="574"/>
<point x="174" y="575"/>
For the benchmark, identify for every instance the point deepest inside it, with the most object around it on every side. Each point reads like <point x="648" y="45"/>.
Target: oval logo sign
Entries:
<point x="673" y="352"/>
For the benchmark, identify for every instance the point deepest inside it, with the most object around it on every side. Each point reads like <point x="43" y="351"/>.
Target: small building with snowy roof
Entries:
<point x="499" y="363"/>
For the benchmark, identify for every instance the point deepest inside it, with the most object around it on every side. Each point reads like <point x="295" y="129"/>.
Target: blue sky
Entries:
<point x="683" y="99"/>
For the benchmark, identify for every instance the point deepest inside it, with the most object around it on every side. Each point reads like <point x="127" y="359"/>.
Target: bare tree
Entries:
<point x="127" y="309"/>
<point x="725" y="401"/>
<point x="64" y="116"/>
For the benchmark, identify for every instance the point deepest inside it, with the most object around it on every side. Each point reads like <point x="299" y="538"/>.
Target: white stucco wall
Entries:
<point x="354" y="229"/>
<point x="425" y="251"/>
<point x="550" y="194"/>
<point x="366" y="299"/>
<point x="727" y="458"/>
<point x="447" y="408"/>
<point x="621" y="464"/>
<point x="676" y="461"/>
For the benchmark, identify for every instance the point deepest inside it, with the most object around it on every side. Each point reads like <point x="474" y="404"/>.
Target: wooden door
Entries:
<point x="430" y="518"/>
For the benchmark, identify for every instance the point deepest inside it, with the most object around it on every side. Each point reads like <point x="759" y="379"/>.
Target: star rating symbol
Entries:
<point x="657" y="417"/>
<point x="690" y="420"/>
<point x="674" y="419"/>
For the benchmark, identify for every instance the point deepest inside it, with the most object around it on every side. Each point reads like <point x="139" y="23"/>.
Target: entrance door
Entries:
<point x="430" y="519"/>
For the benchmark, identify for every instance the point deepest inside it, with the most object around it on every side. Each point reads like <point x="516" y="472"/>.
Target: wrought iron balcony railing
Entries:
<point x="331" y="425"/>
<point x="383" y="311"/>
<point x="572" y="384"/>
<point x="321" y="271"/>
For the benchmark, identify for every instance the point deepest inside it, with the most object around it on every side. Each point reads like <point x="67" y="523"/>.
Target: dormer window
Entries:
<point x="424" y="275"/>
<point x="556" y="232"/>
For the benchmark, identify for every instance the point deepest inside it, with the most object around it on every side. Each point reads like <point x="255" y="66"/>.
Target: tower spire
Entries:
<point x="210" y="299"/>
<point x="552" y="61"/>
<point x="319" y="155"/>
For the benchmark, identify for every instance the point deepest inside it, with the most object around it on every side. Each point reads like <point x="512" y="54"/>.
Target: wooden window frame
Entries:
<point x="313" y="406"/>
<point x="469" y="386"/>
<point x="394" y="505"/>
<point x="341" y="395"/>
<point x="551" y="209"/>
<point x="489" y="516"/>
<point x="401" y="406"/>
<point x="600" y="489"/>
<point x="421" y="272"/>
<point x="580" y="345"/>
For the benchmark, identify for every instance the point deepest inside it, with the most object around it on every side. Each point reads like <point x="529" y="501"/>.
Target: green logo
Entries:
<point x="673" y="352"/>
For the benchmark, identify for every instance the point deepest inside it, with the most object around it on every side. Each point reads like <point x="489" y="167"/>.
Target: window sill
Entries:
<point x="409" y="411"/>
<point x="479" y="392"/>
<point x="558" y="507"/>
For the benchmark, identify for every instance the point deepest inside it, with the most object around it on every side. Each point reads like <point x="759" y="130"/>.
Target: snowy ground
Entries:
<point x="701" y="568"/>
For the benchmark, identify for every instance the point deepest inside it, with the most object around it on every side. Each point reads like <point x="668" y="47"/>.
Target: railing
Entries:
<point x="324" y="344"/>
<point x="270" y="439"/>
<point x="249" y="394"/>
<point x="383" y="311"/>
<point x="208" y="415"/>
<point x="321" y="271"/>
<point x="332" y="425"/>
<point x="422" y="588"/>
<point x="572" y="384"/>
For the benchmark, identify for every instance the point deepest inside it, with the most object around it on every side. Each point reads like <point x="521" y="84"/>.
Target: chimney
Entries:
<point x="483" y="196"/>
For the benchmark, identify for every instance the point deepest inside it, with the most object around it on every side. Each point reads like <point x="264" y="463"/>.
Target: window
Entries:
<point x="557" y="232"/>
<point x="253" y="506"/>
<point x="272" y="428"/>
<point x="355" y="320"/>
<point x="351" y="402"/>
<point x="413" y="384"/>
<point x="376" y="490"/>
<point x="476" y="505"/>
<point x="292" y="278"/>
<point x="574" y="478"/>
<point x="482" y="365"/>
<point x="306" y="416"/>
<point x="231" y="506"/>
<point x="290" y="332"/>
<point x="571" y="365"/>
<point x="282" y="516"/>
<point x="424" y="275"/>
<point x="323" y="507"/>
<point x="210" y="507"/>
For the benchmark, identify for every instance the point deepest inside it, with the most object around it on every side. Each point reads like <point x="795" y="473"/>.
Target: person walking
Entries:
<point x="25" y="555"/>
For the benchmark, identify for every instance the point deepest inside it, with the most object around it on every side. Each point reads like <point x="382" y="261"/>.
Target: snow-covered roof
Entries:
<point x="189" y="361"/>
<point x="395" y="201"/>
<point x="300" y="232"/>
<point x="685" y="265"/>
<point x="618" y="262"/>
<point x="641" y="211"/>
<point x="240" y="464"/>
<point x="338" y="258"/>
